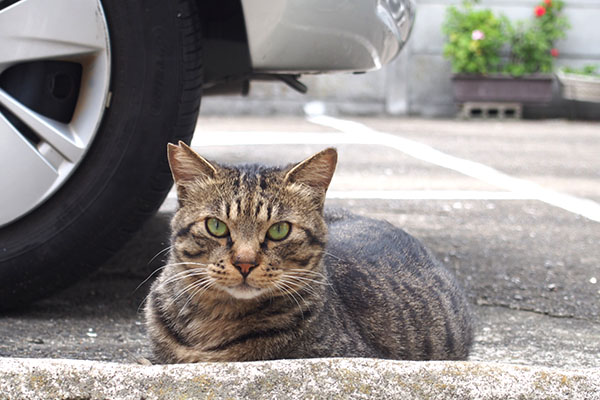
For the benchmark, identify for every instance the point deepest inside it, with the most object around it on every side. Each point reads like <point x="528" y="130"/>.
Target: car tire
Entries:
<point x="155" y="90"/>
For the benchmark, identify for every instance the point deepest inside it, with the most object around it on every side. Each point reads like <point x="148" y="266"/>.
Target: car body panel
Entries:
<point x="314" y="36"/>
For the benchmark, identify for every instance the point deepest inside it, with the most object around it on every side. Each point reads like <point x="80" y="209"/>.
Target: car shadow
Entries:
<point x="119" y="286"/>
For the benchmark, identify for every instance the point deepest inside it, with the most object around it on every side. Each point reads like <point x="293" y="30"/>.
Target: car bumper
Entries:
<point x="315" y="36"/>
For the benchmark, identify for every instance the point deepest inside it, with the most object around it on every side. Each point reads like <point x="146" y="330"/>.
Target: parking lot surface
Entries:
<point x="512" y="208"/>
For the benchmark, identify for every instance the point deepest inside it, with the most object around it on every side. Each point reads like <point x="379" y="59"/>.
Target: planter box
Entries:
<point x="580" y="87"/>
<point x="502" y="88"/>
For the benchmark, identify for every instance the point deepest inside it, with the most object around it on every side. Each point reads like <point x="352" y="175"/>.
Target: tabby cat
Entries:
<point x="258" y="271"/>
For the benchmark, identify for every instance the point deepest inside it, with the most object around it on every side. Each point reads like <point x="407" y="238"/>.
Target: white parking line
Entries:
<point x="521" y="187"/>
<point x="239" y="138"/>
<point x="352" y="132"/>
<point x="424" y="195"/>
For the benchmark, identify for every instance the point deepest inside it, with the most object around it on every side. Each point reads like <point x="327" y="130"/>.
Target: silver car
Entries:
<point x="91" y="91"/>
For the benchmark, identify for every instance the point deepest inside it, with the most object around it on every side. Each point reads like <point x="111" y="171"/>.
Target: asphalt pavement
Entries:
<point x="512" y="208"/>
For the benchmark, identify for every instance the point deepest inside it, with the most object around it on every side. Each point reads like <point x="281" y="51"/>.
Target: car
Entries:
<point x="91" y="92"/>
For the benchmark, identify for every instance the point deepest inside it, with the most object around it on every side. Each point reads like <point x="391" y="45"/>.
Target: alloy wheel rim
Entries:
<point x="65" y="31"/>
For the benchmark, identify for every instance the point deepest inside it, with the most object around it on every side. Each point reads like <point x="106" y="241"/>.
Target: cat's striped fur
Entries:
<point x="365" y="289"/>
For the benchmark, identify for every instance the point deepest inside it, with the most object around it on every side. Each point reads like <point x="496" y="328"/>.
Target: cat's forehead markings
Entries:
<point x="258" y="208"/>
<point x="227" y="207"/>
<point x="254" y="207"/>
<point x="262" y="210"/>
<point x="232" y="208"/>
<point x="239" y="207"/>
<point x="243" y="177"/>
<point x="262" y="182"/>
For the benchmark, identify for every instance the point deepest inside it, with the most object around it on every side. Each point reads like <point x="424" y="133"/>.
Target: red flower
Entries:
<point x="540" y="11"/>
<point x="554" y="52"/>
<point x="548" y="3"/>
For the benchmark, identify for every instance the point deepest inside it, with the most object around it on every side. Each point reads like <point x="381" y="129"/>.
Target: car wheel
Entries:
<point x="90" y="94"/>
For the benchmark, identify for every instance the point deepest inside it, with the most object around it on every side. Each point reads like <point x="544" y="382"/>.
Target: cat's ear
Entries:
<point x="315" y="171"/>
<point x="187" y="166"/>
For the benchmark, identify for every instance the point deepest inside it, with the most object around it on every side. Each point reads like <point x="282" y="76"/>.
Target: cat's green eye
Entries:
<point x="279" y="231"/>
<point x="216" y="227"/>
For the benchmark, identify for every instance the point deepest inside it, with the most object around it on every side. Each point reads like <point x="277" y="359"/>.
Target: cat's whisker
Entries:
<point x="307" y="273"/>
<point x="313" y="274"/>
<point x="143" y="302"/>
<point x="300" y="287"/>
<point x="283" y="288"/>
<point x="198" y="289"/>
<point x="180" y="275"/>
<point x="195" y="277"/>
<point x="190" y="297"/>
<point x="188" y="288"/>
<point x="191" y="286"/>
<point x="303" y="286"/>
<point x="209" y="285"/>
<point x="334" y="256"/>
<point x="175" y="277"/>
<point x="149" y="276"/>
<point x="294" y="288"/>
<point x="186" y="274"/>
<point x="161" y="252"/>
<point x="271" y="292"/>
<point x="186" y="263"/>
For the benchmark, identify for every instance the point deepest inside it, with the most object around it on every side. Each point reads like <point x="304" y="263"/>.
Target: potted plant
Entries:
<point x="477" y="39"/>
<point x="581" y="84"/>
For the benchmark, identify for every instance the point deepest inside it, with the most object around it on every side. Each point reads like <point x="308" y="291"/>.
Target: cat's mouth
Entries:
<point x="244" y="291"/>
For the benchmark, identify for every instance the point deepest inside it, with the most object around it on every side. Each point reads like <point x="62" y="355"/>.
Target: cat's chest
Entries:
<point x="207" y="333"/>
<point x="242" y="334"/>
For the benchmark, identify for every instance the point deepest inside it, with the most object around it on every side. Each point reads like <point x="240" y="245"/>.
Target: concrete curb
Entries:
<point x="292" y="379"/>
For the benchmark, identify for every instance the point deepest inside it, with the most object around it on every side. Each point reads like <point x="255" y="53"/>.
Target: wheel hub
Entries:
<point x="54" y="82"/>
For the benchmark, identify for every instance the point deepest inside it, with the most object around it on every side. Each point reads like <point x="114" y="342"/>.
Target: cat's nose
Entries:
<point x="245" y="267"/>
<point x="244" y="259"/>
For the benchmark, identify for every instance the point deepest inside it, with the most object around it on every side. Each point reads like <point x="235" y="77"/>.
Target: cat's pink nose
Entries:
<point x="245" y="259"/>
<point x="245" y="267"/>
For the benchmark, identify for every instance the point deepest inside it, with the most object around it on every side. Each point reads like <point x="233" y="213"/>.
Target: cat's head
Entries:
<point x="249" y="231"/>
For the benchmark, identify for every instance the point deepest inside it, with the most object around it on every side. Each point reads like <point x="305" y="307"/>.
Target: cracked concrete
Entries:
<point x="532" y="338"/>
<point x="535" y="311"/>
<point x="293" y="379"/>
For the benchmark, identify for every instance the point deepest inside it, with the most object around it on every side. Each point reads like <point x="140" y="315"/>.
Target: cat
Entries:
<point x="258" y="270"/>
